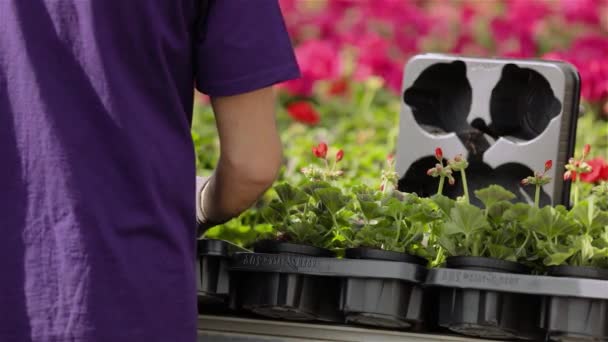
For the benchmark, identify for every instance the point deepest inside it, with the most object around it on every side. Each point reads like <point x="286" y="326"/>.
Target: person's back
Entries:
<point x="97" y="232"/>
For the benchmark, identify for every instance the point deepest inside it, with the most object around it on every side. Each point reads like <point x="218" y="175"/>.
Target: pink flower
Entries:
<point x="318" y="60"/>
<point x="585" y="11"/>
<point x="589" y="54"/>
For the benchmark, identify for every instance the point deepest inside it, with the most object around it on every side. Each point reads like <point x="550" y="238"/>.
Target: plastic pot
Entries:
<point x="576" y="319"/>
<point x="213" y="278"/>
<point x="288" y="295"/>
<point x="378" y="302"/>
<point x="486" y="313"/>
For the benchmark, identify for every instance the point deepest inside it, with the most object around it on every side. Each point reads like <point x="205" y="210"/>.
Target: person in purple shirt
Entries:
<point x="97" y="168"/>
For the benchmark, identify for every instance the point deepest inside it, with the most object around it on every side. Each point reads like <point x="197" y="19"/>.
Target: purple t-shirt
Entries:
<point x="97" y="175"/>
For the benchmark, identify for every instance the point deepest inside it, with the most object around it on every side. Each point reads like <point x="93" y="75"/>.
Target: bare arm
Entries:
<point x="250" y="153"/>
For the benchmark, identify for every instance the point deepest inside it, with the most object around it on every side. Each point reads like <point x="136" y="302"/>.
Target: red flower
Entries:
<point x="599" y="171"/>
<point x="339" y="155"/>
<point x="303" y="111"/>
<point x="548" y="165"/>
<point x="338" y="87"/>
<point x="439" y="154"/>
<point x="320" y="151"/>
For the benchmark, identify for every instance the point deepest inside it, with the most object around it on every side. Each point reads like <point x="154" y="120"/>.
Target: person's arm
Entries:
<point x="242" y="49"/>
<point x="250" y="154"/>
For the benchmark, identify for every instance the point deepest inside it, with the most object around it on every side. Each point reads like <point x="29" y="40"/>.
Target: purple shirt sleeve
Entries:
<point x="242" y="46"/>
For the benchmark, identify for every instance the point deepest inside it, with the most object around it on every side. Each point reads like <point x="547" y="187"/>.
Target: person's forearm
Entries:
<point x="250" y="153"/>
<point x="234" y="188"/>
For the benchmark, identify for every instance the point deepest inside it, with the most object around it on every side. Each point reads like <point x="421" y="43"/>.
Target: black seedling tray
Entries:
<point x="578" y="319"/>
<point x="285" y="295"/>
<point x="379" y="302"/>
<point x="505" y="116"/>
<point x="213" y="278"/>
<point x="487" y="313"/>
<point x="561" y="308"/>
<point x="300" y="287"/>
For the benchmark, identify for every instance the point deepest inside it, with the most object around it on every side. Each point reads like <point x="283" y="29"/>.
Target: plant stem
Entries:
<point x="537" y="196"/>
<point x="366" y="102"/>
<point x="576" y="186"/>
<point x="441" y="182"/>
<point x="438" y="257"/>
<point x="465" y="186"/>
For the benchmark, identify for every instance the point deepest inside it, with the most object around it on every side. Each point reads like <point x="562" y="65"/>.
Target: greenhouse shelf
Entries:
<point x="231" y="329"/>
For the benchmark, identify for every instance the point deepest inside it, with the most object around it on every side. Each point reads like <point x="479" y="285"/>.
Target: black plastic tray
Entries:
<point x="563" y="308"/>
<point x="305" y="288"/>
<point x="213" y="278"/>
<point x="381" y="302"/>
<point x="572" y="318"/>
<point x="484" y="311"/>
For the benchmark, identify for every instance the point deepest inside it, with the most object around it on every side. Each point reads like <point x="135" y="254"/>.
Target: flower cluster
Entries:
<point x="339" y="39"/>
<point x="327" y="172"/>
<point x="456" y="164"/>
<point x="539" y="180"/>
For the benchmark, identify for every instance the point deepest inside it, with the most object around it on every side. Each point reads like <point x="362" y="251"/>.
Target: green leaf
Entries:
<point x="559" y="257"/>
<point x="332" y="198"/>
<point x="466" y="219"/>
<point x="444" y="203"/>
<point x="587" y="214"/>
<point x="497" y="209"/>
<point x="493" y="194"/>
<point x="502" y="252"/>
<point x="517" y="213"/>
<point x="310" y="187"/>
<point x="291" y="196"/>
<point x="274" y="212"/>
<point x="550" y="223"/>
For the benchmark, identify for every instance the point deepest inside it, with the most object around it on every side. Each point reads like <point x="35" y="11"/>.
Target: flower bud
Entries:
<point x="548" y="165"/>
<point x="451" y="180"/>
<point x="586" y="150"/>
<point x="525" y="181"/>
<point x="567" y="175"/>
<point x="339" y="155"/>
<point x="430" y="172"/>
<point x="438" y="154"/>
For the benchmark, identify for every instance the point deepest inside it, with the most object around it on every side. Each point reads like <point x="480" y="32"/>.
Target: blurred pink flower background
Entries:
<point x="355" y="39"/>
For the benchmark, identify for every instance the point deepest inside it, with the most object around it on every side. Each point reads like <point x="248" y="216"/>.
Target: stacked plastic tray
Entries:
<point x="506" y="116"/>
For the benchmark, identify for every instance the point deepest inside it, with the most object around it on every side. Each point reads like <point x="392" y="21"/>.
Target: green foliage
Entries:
<point x="315" y="214"/>
<point x="393" y="221"/>
<point x="494" y="231"/>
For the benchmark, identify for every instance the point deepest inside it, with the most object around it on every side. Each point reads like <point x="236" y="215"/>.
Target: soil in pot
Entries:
<point x="489" y="314"/>
<point x="288" y="296"/>
<point x="576" y="319"/>
<point x="386" y="303"/>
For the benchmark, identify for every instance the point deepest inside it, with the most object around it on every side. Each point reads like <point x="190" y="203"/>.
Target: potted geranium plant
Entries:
<point x="574" y="244"/>
<point x="490" y="239"/>
<point x="309" y="220"/>
<point x="390" y="226"/>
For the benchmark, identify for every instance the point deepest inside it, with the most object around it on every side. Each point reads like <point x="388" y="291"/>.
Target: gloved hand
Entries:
<point x="203" y="222"/>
